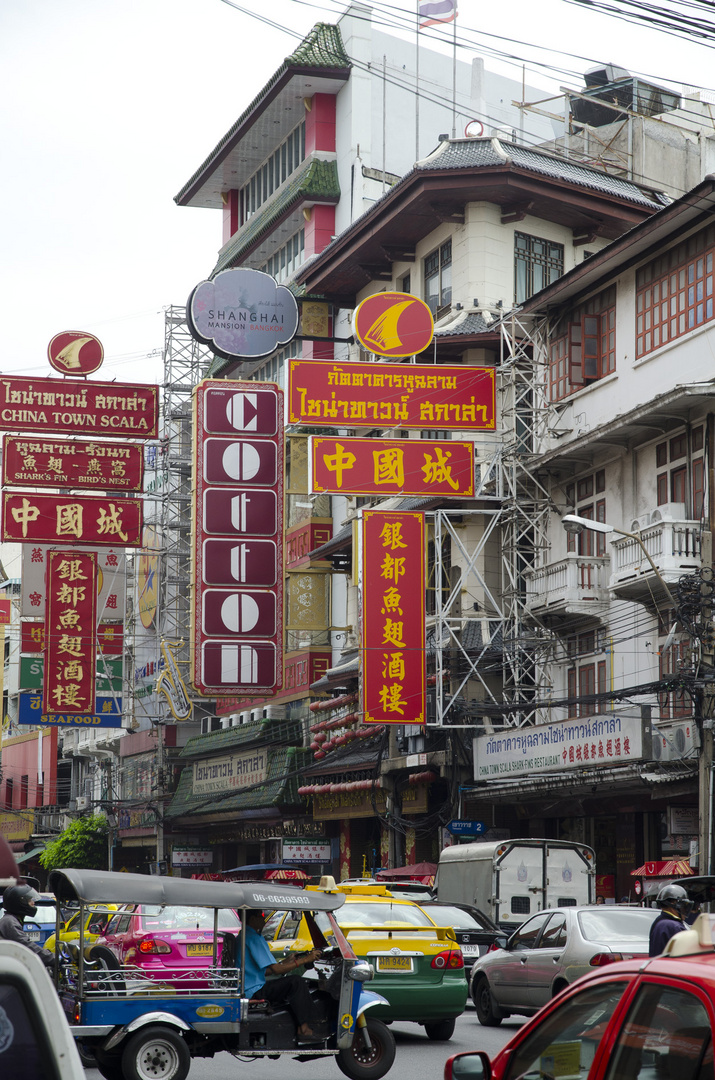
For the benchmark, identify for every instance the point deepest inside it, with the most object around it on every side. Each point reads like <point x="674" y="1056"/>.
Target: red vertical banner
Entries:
<point x="393" y="617"/>
<point x="71" y="634"/>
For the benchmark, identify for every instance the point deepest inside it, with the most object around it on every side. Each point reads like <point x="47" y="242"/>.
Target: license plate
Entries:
<point x="34" y="935"/>
<point x="394" y="963"/>
<point x="470" y="950"/>
<point x="199" y="950"/>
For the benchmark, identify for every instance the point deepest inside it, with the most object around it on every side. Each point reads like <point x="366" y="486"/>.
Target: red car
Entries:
<point x="635" y="1020"/>
<point x="168" y="944"/>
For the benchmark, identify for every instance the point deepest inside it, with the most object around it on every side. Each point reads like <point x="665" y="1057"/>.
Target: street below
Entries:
<point x="416" y="1055"/>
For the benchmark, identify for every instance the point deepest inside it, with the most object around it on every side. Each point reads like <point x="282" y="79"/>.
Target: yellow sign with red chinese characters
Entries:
<point x="71" y="660"/>
<point x="393" y="617"/>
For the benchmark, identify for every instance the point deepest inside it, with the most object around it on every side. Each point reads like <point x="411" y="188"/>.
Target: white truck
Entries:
<point x="511" y="879"/>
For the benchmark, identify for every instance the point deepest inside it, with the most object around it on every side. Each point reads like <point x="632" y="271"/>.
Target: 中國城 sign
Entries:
<point x="323" y="394"/>
<point x="29" y="517"/>
<point x="391" y="467"/>
<point x="230" y="771"/>
<point x="87" y="408"/>
<point x="570" y="744"/>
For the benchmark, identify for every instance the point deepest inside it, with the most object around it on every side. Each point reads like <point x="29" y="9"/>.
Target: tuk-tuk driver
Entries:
<point x="286" y="989"/>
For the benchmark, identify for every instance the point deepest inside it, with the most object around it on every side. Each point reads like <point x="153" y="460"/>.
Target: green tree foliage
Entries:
<point x="83" y="845"/>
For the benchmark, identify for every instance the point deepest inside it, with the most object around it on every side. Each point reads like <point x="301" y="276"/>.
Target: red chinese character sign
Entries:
<point x="391" y="395"/>
<point x="393" y="324"/>
<point x="237" y="542"/>
<point x="72" y="463"/>
<point x="391" y="467"/>
<point x="29" y="517"/>
<point x="393" y="617"/>
<point x="70" y="665"/>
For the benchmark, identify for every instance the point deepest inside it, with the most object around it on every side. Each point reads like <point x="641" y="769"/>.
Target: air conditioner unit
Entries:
<point x="83" y="802"/>
<point x="244" y="717"/>
<point x="273" y="712"/>
<point x="235" y="719"/>
<point x="257" y="714"/>
<point x="673" y="742"/>
<point x="225" y="722"/>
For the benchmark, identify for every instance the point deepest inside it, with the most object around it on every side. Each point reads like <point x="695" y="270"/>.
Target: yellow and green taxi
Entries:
<point x="418" y="965"/>
<point x="96" y="918"/>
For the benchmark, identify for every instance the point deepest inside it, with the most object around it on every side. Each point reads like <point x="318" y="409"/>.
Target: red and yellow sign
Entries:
<point x="125" y="410"/>
<point x="391" y="395"/>
<point x="29" y="517"/>
<point x="72" y="463"/>
<point x="393" y="324"/>
<point x="74" y="352"/>
<point x="71" y="661"/>
<point x="391" y="467"/>
<point x="110" y="637"/>
<point x="393" y="617"/>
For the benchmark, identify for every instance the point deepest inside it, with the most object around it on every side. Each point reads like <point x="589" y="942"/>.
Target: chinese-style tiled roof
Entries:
<point x="279" y="789"/>
<point x="322" y="49"/>
<point x="251" y="734"/>
<point x="317" y="180"/>
<point x="466" y="322"/>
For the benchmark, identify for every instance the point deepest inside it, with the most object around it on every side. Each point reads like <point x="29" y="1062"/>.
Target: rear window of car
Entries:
<point x="444" y="915"/>
<point x="43" y="914"/>
<point x="603" y="924"/>
<point x="183" y="918"/>
<point x="382" y="914"/>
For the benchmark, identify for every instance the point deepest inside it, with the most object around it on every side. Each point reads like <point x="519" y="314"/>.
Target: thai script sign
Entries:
<point x="242" y="313"/>
<point x="31" y="517"/>
<point x="107" y="713"/>
<point x="391" y="467"/>
<point x="76" y="464"/>
<point x="393" y="324"/>
<point x="73" y="352"/>
<point x="393" y="617"/>
<point x="237" y="538"/>
<point x="70" y="650"/>
<point x="111" y="581"/>
<point x="391" y="395"/>
<point x="306" y="851"/>
<point x="229" y="772"/>
<point x="110" y="638"/>
<point x="571" y="744"/>
<point x="89" y="408"/>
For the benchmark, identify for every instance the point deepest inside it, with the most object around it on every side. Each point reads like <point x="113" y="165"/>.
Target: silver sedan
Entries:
<point x="551" y="950"/>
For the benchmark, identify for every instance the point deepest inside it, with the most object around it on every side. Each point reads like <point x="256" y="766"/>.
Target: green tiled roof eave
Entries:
<point x="323" y="47"/>
<point x="217" y="742"/>
<point x="279" y="789"/>
<point x="318" y="180"/>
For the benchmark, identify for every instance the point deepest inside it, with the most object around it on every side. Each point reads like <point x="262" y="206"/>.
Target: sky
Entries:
<point x="109" y="106"/>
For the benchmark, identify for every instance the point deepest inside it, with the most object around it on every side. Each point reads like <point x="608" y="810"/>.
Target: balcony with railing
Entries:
<point x="673" y="543"/>
<point x="572" y="588"/>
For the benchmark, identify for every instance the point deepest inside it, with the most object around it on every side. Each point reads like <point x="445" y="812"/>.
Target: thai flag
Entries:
<point x="432" y="12"/>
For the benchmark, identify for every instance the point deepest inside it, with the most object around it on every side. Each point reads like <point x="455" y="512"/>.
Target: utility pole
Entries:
<point x="707" y="666"/>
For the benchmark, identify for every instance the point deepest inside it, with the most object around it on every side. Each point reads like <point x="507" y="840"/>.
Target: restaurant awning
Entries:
<point x="671" y="868"/>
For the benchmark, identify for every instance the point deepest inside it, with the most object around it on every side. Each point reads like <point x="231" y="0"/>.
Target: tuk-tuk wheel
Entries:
<point x="359" y="1063"/>
<point x="109" y="1065"/>
<point x="156" y="1052"/>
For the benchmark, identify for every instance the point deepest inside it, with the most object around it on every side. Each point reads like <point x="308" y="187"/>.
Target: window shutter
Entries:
<point x="575" y="355"/>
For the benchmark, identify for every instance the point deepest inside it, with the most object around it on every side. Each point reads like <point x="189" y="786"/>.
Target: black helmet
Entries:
<point x="20" y="900"/>
<point x="675" y="898"/>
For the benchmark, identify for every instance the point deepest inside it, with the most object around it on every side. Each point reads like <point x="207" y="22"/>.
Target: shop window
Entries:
<point x="273" y="172"/>
<point x="585" y="350"/>
<point x="674" y="293"/>
<point x="537" y="262"/>
<point x="585" y="681"/>
<point x="438" y="279"/>
<point x="406" y="284"/>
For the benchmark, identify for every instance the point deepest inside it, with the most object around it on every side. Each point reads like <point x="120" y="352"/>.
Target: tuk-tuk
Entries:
<point x="139" y="1028"/>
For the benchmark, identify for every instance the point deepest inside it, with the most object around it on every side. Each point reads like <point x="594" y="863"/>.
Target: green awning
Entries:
<point x="29" y="854"/>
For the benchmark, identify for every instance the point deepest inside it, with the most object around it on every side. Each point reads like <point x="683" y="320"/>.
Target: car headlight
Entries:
<point x="361" y="972"/>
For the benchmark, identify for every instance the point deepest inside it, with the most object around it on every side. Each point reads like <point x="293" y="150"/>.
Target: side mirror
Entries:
<point x="471" y="1065"/>
<point x="96" y="928"/>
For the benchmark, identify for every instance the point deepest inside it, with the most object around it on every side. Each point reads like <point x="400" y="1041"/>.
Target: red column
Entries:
<point x="231" y="220"/>
<point x="320" y="123"/>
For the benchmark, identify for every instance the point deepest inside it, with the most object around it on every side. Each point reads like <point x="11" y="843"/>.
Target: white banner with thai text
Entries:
<point x="230" y="771"/>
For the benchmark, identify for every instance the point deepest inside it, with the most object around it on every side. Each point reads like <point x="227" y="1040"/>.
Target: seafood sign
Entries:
<point x="391" y="395"/>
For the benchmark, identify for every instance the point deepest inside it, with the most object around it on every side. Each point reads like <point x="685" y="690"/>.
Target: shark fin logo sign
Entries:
<point x="393" y="324"/>
<point x="74" y="352"/>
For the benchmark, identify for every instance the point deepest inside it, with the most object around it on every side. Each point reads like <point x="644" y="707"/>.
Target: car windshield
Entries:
<point x="602" y="924"/>
<point x="410" y="892"/>
<point x="444" y="915"/>
<point x="44" y="913"/>
<point x="368" y="913"/>
<point x="185" y="918"/>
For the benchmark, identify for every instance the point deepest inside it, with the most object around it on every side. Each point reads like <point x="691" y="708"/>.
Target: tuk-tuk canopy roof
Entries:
<point x="97" y="886"/>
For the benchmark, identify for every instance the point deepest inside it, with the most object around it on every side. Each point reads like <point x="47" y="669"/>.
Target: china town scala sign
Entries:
<point x="91" y="408"/>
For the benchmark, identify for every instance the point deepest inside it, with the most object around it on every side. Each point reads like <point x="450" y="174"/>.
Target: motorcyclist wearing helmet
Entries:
<point x="675" y="907"/>
<point x="18" y="902"/>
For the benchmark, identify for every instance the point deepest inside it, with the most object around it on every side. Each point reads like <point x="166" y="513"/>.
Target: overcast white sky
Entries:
<point x="110" y="105"/>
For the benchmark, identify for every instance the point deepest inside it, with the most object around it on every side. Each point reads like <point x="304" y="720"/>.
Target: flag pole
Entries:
<point x="417" y="82"/>
<point x="454" y="72"/>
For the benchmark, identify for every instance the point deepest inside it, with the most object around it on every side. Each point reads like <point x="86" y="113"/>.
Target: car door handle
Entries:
<point x="556" y="959"/>
<point x="523" y="960"/>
